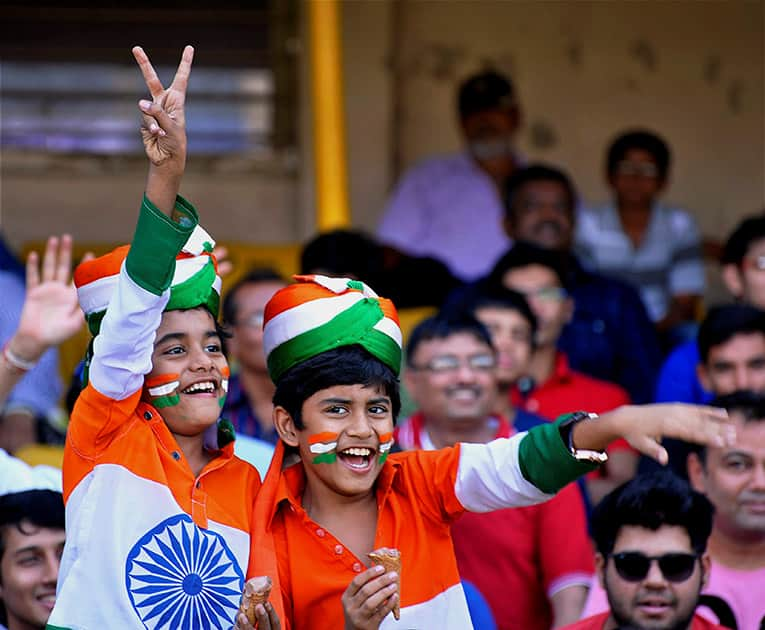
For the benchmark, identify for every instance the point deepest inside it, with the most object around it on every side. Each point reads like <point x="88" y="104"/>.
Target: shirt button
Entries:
<point x="147" y="415"/>
<point x="338" y="549"/>
<point x="532" y="405"/>
<point x="320" y="533"/>
<point x="357" y="567"/>
<point x="175" y="455"/>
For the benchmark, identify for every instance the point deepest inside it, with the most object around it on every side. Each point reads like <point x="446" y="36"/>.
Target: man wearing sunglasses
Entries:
<point x="651" y="537"/>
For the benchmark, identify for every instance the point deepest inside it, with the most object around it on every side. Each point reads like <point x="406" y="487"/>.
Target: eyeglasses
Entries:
<point x="638" y="169"/>
<point x="755" y="262"/>
<point x="546" y="294"/>
<point x="633" y="566"/>
<point x="254" y="320"/>
<point x="451" y="363"/>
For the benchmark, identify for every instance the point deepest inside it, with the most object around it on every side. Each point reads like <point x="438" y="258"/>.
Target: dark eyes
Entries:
<point x="339" y="410"/>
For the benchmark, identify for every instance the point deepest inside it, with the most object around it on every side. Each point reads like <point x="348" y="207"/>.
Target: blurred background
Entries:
<point x="72" y="161"/>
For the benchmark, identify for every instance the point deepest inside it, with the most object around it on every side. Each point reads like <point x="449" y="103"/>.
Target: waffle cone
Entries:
<point x="256" y="591"/>
<point x="390" y="560"/>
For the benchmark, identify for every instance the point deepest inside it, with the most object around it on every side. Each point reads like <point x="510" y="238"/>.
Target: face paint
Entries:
<point x="163" y="390"/>
<point x="226" y="372"/>
<point x="386" y="443"/>
<point x="323" y="446"/>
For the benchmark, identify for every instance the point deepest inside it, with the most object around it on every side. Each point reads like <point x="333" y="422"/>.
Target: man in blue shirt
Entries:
<point x="609" y="336"/>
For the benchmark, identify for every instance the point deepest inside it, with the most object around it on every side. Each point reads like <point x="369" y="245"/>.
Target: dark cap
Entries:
<point x="487" y="90"/>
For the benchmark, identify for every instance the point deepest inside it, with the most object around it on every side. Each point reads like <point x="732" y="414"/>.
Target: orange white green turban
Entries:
<point x="195" y="281"/>
<point x="318" y="313"/>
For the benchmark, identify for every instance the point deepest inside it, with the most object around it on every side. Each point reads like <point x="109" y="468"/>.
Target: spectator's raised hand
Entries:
<point x="51" y="312"/>
<point x="164" y="120"/>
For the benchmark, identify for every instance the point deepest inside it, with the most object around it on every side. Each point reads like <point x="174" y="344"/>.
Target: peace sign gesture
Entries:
<point x="164" y="122"/>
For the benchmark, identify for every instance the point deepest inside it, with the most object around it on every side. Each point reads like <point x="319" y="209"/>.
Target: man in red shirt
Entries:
<point x="552" y="387"/>
<point x="651" y="538"/>
<point x="452" y="376"/>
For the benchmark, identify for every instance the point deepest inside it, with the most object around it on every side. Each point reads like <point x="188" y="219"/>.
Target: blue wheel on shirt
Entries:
<point x="179" y="576"/>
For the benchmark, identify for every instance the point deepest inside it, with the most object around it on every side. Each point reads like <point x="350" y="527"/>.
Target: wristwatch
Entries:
<point x="566" y="429"/>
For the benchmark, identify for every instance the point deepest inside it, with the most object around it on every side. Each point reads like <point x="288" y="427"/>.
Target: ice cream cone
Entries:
<point x="256" y="591"/>
<point x="390" y="559"/>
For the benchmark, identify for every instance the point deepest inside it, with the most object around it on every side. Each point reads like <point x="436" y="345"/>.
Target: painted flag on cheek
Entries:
<point x="386" y="443"/>
<point x="163" y="390"/>
<point x="323" y="446"/>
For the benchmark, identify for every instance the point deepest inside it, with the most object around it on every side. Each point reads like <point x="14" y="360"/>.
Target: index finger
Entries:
<point x="181" y="79"/>
<point x="149" y="74"/>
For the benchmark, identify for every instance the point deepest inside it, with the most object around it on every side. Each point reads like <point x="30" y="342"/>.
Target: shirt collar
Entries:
<point x="292" y="485"/>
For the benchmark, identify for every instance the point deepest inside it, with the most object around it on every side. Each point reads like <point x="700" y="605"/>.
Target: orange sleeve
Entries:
<point x="97" y="420"/>
<point x="431" y="476"/>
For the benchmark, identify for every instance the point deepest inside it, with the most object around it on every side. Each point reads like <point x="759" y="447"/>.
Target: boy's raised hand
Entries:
<point x="369" y="598"/>
<point x="164" y="120"/>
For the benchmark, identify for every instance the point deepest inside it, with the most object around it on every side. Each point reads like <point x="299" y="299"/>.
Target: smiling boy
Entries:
<point x="158" y="509"/>
<point x="334" y="352"/>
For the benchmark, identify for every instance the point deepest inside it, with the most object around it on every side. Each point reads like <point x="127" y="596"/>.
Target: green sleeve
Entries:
<point x="546" y="461"/>
<point x="157" y="241"/>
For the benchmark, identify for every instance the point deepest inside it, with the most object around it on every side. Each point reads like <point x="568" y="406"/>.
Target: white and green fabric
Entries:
<point x="319" y="313"/>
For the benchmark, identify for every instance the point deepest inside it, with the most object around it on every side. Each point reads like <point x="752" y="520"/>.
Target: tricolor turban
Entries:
<point x="195" y="280"/>
<point x="318" y="313"/>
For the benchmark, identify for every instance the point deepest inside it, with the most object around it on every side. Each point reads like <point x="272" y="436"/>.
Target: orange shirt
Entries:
<point x="417" y="503"/>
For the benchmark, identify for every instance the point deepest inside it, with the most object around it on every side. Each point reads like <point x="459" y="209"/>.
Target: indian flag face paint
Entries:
<point x="323" y="446"/>
<point x="226" y="372"/>
<point x="386" y="443"/>
<point x="163" y="390"/>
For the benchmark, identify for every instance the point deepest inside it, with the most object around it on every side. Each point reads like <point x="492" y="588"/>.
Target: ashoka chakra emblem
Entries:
<point x="181" y="576"/>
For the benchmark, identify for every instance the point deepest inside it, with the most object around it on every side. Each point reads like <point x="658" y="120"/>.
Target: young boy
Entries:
<point x="158" y="509"/>
<point x="333" y="494"/>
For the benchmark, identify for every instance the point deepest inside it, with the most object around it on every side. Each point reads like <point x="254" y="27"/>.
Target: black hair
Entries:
<point x="645" y="141"/>
<point x="737" y="246"/>
<point x="750" y="405"/>
<point x="506" y="299"/>
<point x="484" y="91"/>
<point x="536" y="173"/>
<point x="524" y="254"/>
<point x="347" y="365"/>
<point x="41" y="508"/>
<point x="650" y="501"/>
<point x="445" y="325"/>
<point x="724" y="322"/>
<point x="342" y="253"/>
<point x="254" y="276"/>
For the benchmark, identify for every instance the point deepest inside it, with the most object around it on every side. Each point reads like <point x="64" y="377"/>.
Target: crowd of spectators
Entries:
<point x="542" y="304"/>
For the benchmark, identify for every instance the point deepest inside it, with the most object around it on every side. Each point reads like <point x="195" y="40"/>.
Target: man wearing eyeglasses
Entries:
<point x="451" y="374"/>
<point x="248" y="403"/>
<point x="551" y="387"/>
<point x="651" y="537"/>
<point x="654" y="247"/>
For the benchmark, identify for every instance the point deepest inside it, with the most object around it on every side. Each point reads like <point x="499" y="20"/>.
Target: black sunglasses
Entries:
<point x="633" y="566"/>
